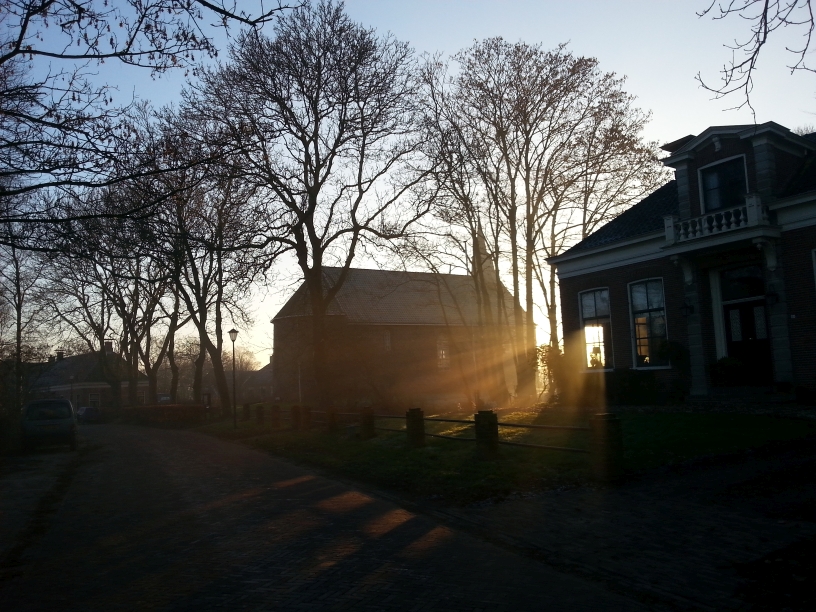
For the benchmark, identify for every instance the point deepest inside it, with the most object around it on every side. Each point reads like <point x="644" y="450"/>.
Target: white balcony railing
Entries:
<point x="750" y="214"/>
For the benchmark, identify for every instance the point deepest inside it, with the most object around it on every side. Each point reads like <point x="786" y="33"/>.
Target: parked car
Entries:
<point x="49" y="421"/>
<point x="89" y="414"/>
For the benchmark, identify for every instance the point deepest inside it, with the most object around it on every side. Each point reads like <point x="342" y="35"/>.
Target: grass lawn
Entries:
<point x="449" y="471"/>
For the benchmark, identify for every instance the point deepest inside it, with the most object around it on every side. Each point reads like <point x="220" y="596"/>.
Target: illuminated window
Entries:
<point x="649" y="322"/>
<point x="442" y="353"/>
<point x="597" y="328"/>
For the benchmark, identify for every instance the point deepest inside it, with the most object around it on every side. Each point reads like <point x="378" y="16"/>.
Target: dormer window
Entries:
<point x="723" y="185"/>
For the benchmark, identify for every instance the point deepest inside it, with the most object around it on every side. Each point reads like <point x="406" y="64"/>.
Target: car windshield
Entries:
<point x="45" y="411"/>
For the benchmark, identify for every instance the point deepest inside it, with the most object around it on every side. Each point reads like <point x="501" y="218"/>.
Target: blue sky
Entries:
<point x="658" y="45"/>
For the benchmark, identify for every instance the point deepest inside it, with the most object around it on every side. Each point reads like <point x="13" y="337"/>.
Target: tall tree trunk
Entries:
<point x="18" y="334"/>
<point x="198" y="375"/>
<point x="529" y="324"/>
<point x="174" y="369"/>
<point x="320" y="363"/>
<point x="221" y="385"/>
<point x="552" y="311"/>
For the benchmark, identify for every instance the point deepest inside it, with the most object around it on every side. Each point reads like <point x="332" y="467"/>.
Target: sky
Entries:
<point x="658" y="45"/>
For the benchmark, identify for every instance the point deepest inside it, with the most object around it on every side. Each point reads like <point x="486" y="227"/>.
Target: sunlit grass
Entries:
<point x="449" y="470"/>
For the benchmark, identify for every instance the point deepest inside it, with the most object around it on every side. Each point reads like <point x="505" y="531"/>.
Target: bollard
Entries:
<point x="415" y="427"/>
<point x="305" y="417"/>
<point x="486" y="425"/>
<point x="607" y="447"/>
<point x="294" y="417"/>
<point x="331" y="420"/>
<point x="367" y="430"/>
<point x="259" y="414"/>
<point x="275" y="416"/>
<point x="246" y="414"/>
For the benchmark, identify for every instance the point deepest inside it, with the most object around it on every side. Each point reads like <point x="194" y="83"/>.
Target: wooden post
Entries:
<point x="367" y="430"/>
<point x="487" y="434"/>
<point x="275" y="416"/>
<point x="607" y="447"/>
<point x="415" y="427"/>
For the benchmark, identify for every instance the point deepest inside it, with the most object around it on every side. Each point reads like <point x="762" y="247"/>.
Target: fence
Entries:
<point x="605" y="448"/>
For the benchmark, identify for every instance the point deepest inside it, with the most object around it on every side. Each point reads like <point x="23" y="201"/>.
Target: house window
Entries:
<point x="597" y="328"/>
<point x="442" y="352"/>
<point x="93" y="400"/>
<point x="387" y="340"/>
<point x="724" y="185"/>
<point x="648" y="322"/>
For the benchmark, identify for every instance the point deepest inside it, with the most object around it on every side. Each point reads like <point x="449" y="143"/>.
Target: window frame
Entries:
<point x="443" y="352"/>
<point x="611" y="356"/>
<point x="700" y="188"/>
<point x="633" y="334"/>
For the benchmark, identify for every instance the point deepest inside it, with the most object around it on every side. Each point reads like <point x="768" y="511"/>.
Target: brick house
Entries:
<point x="82" y="380"/>
<point x="256" y="386"/>
<point x="707" y="283"/>
<point x="397" y="337"/>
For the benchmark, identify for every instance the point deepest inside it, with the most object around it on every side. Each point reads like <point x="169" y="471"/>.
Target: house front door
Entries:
<point x="746" y="332"/>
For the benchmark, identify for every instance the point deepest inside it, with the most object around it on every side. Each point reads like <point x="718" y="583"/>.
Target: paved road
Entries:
<point x="679" y="536"/>
<point x="152" y="519"/>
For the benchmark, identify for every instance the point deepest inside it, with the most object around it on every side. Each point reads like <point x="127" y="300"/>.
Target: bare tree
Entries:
<point x="82" y="311"/>
<point x="58" y="129"/>
<point x="20" y="280"/>
<point x="547" y="141"/>
<point x="763" y="18"/>
<point x="324" y="117"/>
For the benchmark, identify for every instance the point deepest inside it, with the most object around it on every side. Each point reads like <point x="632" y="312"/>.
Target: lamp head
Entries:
<point x="233" y="334"/>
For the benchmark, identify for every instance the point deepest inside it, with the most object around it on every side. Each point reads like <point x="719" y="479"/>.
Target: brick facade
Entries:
<point x="797" y="253"/>
<point x="387" y="364"/>
<point x="760" y="336"/>
<point x="617" y="281"/>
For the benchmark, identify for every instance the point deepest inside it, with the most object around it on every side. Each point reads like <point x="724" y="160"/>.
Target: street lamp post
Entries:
<point x="233" y="334"/>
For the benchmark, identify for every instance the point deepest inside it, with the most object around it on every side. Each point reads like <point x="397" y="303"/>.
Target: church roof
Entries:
<point x="384" y="297"/>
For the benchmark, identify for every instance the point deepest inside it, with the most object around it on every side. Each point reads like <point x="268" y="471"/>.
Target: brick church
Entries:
<point x="399" y="337"/>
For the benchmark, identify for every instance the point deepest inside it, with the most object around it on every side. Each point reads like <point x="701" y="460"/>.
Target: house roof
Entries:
<point x="259" y="378"/>
<point x="84" y="369"/>
<point x="645" y="217"/>
<point x="397" y="298"/>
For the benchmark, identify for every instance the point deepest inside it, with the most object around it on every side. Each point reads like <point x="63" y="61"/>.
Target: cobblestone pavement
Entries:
<point x="144" y="519"/>
<point x="677" y="535"/>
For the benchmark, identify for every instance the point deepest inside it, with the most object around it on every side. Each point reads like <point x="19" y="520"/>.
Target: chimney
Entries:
<point x="108" y="346"/>
<point x="60" y="355"/>
<point x="270" y="359"/>
<point x="50" y="359"/>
